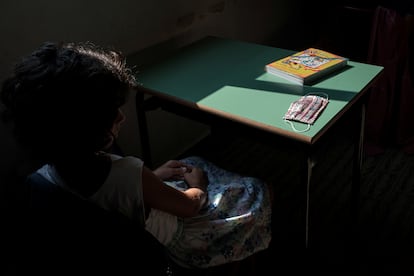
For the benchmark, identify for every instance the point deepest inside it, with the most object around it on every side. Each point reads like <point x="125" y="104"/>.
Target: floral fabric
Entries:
<point x="234" y="224"/>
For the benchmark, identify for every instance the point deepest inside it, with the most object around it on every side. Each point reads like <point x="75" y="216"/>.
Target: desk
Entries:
<point x="225" y="79"/>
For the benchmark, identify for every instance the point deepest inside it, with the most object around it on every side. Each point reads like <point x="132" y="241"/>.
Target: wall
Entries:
<point x="132" y="26"/>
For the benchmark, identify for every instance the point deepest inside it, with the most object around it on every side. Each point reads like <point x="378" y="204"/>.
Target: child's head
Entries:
<point x="64" y="98"/>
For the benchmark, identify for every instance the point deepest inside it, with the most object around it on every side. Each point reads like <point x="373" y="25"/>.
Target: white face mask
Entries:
<point x="306" y="109"/>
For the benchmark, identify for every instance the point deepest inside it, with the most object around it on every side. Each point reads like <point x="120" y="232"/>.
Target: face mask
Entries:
<point x="306" y="110"/>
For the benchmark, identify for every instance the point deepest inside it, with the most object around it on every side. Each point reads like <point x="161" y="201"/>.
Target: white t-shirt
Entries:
<point x="122" y="191"/>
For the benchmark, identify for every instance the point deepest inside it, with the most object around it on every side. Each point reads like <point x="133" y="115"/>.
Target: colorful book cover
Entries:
<point x="306" y="66"/>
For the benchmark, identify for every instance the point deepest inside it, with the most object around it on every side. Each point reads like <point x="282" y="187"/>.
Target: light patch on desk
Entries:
<point x="262" y="106"/>
<point x="246" y="102"/>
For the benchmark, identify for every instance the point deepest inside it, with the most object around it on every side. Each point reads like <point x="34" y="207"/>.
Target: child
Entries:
<point x="65" y="102"/>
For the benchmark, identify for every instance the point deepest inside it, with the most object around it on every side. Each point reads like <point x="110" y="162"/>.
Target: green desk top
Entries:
<point x="227" y="77"/>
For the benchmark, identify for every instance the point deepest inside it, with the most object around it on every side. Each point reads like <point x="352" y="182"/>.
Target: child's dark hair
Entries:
<point x="63" y="99"/>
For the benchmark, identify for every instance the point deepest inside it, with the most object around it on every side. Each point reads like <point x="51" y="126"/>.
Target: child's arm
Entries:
<point x="168" y="199"/>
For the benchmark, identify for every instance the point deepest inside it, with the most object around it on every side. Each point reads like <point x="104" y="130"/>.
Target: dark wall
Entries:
<point x="343" y="27"/>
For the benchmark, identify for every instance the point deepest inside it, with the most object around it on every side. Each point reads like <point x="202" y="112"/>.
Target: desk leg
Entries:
<point x="143" y="128"/>
<point x="357" y="163"/>
<point x="310" y="162"/>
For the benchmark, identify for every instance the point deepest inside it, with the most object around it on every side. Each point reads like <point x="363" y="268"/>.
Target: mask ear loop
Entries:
<point x="326" y="96"/>
<point x="295" y="129"/>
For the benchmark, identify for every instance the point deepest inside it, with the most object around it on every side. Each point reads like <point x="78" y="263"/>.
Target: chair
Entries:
<point x="67" y="235"/>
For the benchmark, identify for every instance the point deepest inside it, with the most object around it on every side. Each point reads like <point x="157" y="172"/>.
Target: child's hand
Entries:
<point x="172" y="170"/>
<point x="196" y="178"/>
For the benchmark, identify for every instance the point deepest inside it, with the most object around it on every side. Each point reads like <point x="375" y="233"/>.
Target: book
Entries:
<point x="306" y="66"/>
